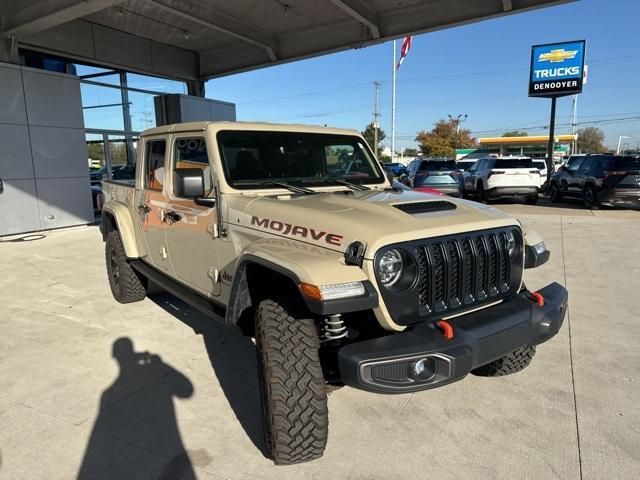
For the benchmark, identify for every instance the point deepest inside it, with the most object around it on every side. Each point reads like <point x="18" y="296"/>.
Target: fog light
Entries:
<point x="423" y="369"/>
<point x="539" y="247"/>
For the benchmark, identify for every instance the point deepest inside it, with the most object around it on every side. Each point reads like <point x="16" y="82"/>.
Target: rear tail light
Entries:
<point x="496" y="172"/>
<point x="535" y="171"/>
<point x="609" y="174"/>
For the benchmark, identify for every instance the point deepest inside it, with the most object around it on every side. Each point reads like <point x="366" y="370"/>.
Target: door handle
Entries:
<point x="172" y="217"/>
<point x="143" y="209"/>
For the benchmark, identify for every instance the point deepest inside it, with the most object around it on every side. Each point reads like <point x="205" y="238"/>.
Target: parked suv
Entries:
<point x="599" y="179"/>
<point x="502" y="177"/>
<point x="438" y="173"/>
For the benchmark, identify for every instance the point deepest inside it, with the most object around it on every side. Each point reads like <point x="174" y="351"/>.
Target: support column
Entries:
<point x="9" y="49"/>
<point x="196" y="88"/>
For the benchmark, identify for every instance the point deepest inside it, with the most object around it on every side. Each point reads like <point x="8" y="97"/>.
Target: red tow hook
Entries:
<point x="537" y="296"/>
<point x="447" y="329"/>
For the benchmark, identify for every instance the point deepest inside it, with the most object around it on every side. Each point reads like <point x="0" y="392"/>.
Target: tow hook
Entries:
<point x="537" y="297"/>
<point x="446" y="328"/>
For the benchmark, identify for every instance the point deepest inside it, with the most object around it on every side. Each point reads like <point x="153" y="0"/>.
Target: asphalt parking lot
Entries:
<point x="92" y="389"/>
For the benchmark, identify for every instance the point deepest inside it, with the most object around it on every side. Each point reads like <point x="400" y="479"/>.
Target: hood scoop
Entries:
<point x="425" y="207"/>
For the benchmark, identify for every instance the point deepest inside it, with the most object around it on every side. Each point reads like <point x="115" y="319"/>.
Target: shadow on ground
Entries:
<point x="234" y="362"/>
<point x="137" y="408"/>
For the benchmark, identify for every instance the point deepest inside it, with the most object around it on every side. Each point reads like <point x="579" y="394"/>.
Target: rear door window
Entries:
<point x="154" y="164"/>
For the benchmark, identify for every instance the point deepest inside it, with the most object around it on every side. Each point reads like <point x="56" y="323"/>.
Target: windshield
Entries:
<point x="465" y="165"/>
<point x="253" y="158"/>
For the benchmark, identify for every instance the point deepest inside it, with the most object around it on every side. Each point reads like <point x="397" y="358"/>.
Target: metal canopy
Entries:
<point x="201" y="39"/>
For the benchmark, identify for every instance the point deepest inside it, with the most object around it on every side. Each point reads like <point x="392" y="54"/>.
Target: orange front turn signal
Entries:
<point x="312" y="292"/>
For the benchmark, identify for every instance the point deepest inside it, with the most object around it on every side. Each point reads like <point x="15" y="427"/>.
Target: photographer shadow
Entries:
<point x="137" y="409"/>
<point x="233" y="360"/>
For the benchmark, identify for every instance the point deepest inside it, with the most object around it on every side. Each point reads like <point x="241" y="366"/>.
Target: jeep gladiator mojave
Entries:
<point x="341" y="278"/>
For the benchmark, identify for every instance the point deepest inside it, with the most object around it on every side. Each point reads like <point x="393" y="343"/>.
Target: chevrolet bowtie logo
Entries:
<point x="557" y="56"/>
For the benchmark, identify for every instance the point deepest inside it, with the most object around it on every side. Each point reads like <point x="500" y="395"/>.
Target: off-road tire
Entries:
<point x="554" y="193"/>
<point x="512" y="363"/>
<point x="126" y="285"/>
<point x="292" y="387"/>
<point x="590" y="197"/>
<point x="531" y="200"/>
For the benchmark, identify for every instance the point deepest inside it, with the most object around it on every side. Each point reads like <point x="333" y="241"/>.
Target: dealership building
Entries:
<point x="80" y="79"/>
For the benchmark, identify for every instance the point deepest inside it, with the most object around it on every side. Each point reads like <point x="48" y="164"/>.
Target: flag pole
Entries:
<point x="393" y="106"/>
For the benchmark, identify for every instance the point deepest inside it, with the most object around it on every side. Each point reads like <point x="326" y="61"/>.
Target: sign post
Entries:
<point x="556" y="71"/>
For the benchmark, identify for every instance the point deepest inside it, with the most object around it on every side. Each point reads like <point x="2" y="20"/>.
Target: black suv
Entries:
<point x="599" y="180"/>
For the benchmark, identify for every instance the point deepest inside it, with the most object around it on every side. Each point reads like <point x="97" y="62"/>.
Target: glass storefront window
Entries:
<point x="155" y="84"/>
<point x="142" y="109"/>
<point x="102" y="107"/>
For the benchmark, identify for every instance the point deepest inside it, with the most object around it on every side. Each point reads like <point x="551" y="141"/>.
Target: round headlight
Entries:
<point x="511" y="244"/>
<point x="390" y="267"/>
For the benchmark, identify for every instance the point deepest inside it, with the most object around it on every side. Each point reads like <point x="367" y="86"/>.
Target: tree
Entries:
<point x="591" y="140"/>
<point x="369" y="136"/>
<point x="515" y="133"/>
<point x="442" y="140"/>
<point x="410" y="152"/>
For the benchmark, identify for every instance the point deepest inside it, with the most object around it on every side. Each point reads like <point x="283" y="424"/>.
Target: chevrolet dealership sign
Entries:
<point x="556" y="69"/>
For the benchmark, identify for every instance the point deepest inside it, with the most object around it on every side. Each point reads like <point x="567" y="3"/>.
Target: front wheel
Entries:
<point x="511" y="363"/>
<point x="591" y="198"/>
<point x="293" y="392"/>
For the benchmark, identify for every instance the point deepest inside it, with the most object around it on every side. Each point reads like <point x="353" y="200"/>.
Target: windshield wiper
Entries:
<point x="352" y="186"/>
<point x="292" y="188"/>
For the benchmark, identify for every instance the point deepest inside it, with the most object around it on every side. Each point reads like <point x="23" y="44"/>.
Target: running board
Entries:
<point x="197" y="301"/>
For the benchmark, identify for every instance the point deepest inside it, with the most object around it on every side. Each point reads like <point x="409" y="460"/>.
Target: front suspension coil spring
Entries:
<point x="334" y="328"/>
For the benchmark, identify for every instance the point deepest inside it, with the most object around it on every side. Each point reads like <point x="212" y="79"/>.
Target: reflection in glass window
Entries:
<point x="101" y="107"/>
<point x="154" y="165"/>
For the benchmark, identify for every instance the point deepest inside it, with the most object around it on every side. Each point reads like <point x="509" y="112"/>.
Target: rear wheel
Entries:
<point x="591" y="198"/>
<point x="293" y="392"/>
<point x="532" y="200"/>
<point x="126" y="285"/>
<point x="513" y="362"/>
<point x="554" y="193"/>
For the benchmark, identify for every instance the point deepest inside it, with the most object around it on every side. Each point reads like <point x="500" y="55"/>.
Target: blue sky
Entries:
<point x="479" y="69"/>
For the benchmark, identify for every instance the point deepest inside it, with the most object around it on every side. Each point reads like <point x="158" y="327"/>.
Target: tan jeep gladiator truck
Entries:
<point x="295" y="235"/>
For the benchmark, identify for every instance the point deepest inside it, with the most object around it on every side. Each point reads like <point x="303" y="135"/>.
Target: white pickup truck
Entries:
<point x="503" y="177"/>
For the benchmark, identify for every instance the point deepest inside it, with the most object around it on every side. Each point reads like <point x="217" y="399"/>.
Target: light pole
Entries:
<point x="619" y="142"/>
<point x="458" y="120"/>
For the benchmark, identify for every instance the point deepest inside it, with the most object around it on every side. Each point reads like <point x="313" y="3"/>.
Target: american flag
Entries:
<point x="404" y="50"/>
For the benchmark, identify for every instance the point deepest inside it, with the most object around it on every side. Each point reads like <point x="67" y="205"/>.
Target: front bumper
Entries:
<point x="384" y="365"/>
<point x="505" y="192"/>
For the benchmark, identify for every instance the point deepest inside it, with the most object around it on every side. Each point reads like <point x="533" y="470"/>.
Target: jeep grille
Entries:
<point x="456" y="273"/>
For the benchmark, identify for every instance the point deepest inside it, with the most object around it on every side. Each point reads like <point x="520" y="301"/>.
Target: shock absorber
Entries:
<point x="334" y="329"/>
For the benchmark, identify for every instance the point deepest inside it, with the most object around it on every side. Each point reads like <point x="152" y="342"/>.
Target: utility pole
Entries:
<point x="393" y="106"/>
<point x="458" y="120"/>
<point x="376" y="117"/>
<point x="574" y="123"/>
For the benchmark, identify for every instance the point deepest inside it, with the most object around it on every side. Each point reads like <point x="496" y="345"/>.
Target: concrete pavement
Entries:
<point x="92" y="389"/>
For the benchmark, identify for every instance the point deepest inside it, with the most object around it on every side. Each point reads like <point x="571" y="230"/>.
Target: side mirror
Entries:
<point x="188" y="182"/>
